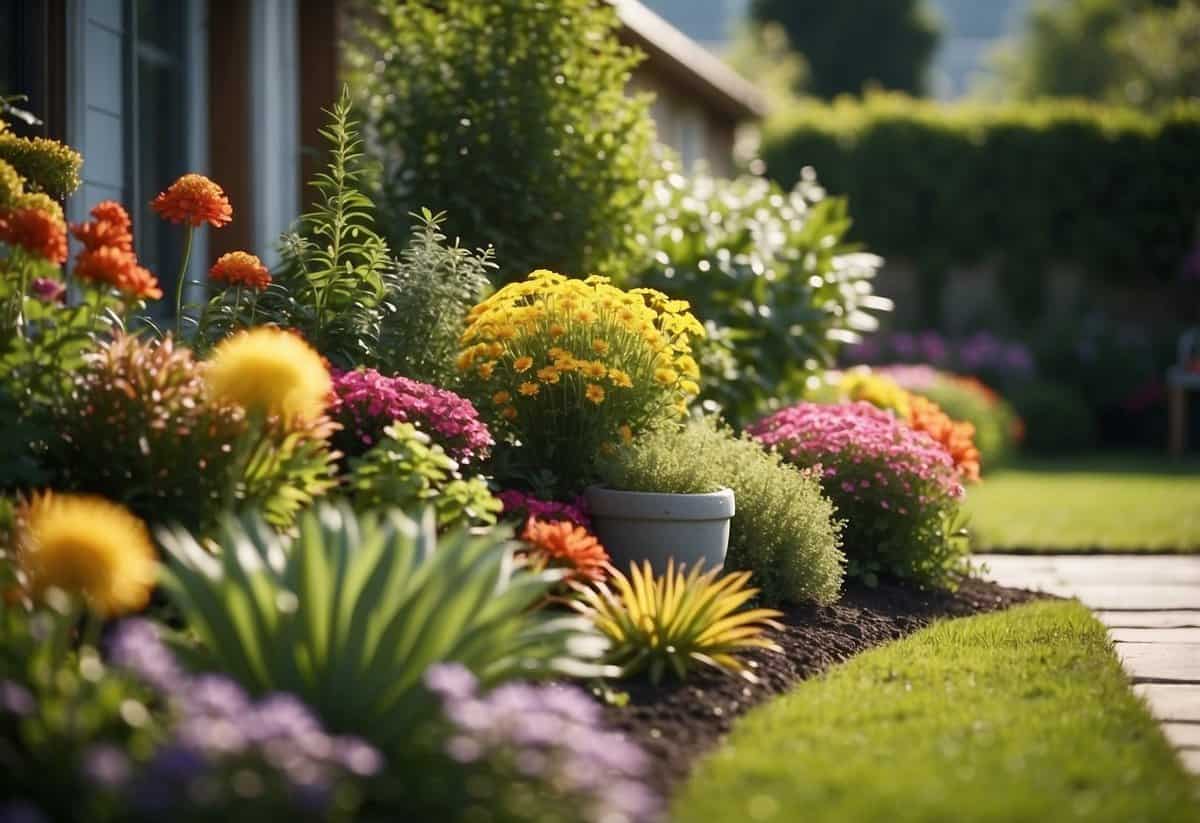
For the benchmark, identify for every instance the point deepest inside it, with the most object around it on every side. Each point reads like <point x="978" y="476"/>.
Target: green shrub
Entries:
<point x="512" y="118"/>
<point x="1058" y="419"/>
<point x="349" y="614"/>
<point x="407" y="470"/>
<point x="772" y="275"/>
<point x="783" y="529"/>
<point x="1016" y="185"/>
<point x="434" y="285"/>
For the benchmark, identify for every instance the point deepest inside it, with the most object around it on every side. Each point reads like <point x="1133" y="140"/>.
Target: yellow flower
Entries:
<point x="508" y="413"/>
<point x="523" y="364"/>
<point x="620" y="378"/>
<point x="485" y="369"/>
<point x="465" y="359"/>
<point x="600" y="346"/>
<point x="270" y="371"/>
<point x="556" y="330"/>
<point x="690" y="386"/>
<point x="594" y="393"/>
<point x="529" y="389"/>
<point x="665" y="376"/>
<point x="501" y="397"/>
<point x="557" y="353"/>
<point x="506" y="332"/>
<point x="595" y="369"/>
<point x="625" y="432"/>
<point x="687" y="365"/>
<point x="567" y="364"/>
<point x="548" y="375"/>
<point x="585" y="316"/>
<point x="88" y="546"/>
<point x="494" y="350"/>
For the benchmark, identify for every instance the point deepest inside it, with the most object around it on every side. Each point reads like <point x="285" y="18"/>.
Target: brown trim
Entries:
<point x="320" y="24"/>
<point x="230" y="120"/>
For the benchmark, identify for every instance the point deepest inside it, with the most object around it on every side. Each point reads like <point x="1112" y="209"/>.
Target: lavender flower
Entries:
<point x="16" y="699"/>
<point x="48" y="290"/>
<point x="550" y="734"/>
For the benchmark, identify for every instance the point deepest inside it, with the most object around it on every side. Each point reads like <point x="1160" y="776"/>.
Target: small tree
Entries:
<point x="852" y="44"/>
<point x="511" y="117"/>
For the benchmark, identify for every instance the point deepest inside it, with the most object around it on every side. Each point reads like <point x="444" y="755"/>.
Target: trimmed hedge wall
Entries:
<point x="1114" y="191"/>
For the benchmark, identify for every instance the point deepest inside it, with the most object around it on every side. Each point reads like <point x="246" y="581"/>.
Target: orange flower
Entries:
<point x="564" y="545"/>
<point x="195" y="200"/>
<point x="111" y="227"/>
<point x="239" y="268"/>
<point x="118" y="269"/>
<point x="37" y="231"/>
<point x="958" y="438"/>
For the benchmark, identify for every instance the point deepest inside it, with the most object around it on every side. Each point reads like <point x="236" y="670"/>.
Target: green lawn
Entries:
<point x="1018" y="715"/>
<point x="1102" y="503"/>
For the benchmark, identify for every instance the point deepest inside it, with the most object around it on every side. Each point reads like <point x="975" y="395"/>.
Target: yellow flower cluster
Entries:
<point x="566" y="358"/>
<point x="879" y="391"/>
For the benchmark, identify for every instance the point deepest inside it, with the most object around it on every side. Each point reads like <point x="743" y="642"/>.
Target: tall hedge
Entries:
<point x="1110" y="190"/>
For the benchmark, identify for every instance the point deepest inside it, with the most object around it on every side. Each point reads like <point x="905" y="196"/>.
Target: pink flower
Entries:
<point x="526" y="505"/>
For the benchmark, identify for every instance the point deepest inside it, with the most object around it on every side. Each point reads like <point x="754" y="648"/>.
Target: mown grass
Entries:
<point x="1100" y="503"/>
<point x="1022" y="715"/>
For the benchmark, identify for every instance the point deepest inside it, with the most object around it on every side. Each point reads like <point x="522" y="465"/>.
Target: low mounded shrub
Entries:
<point x="783" y="530"/>
<point x="1058" y="420"/>
<point x="896" y="488"/>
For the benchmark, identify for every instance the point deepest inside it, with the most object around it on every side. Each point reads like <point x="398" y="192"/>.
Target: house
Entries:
<point x="150" y="89"/>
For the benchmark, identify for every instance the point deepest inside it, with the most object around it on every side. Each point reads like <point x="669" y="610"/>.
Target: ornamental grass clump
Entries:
<point x="671" y="623"/>
<point x="897" y="488"/>
<point x="564" y="368"/>
<point x="366" y="402"/>
<point x="784" y="528"/>
<point x="528" y="752"/>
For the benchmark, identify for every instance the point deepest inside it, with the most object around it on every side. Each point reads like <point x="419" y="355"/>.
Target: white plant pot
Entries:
<point x="638" y="526"/>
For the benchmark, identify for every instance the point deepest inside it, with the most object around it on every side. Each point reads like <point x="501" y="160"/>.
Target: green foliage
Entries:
<point x="773" y="276"/>
<point x="137" y="426"/>
<point x="350" y="613"/>
<point x="512" y="117"/>
<point x="1058" y="419"/>
<point x="1021" y="715"/>
<point x="783" y="528"/>
<point x="995" y="420"/>
<point x="407" y="470"/>
<point x="850" y="47"/>
<point x="1014" y="186"/>
<point x="1136" y="52"/>
<point x="331" y="285"/>
<point x="435" y="284"/>
<point x="668" y="624"/>
<point x="46" y="165"/>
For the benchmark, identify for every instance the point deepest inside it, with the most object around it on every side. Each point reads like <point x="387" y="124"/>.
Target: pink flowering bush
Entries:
<point x="896" y="488"/>
<point x="366" y="402"/>
<point x="522" y="506"/>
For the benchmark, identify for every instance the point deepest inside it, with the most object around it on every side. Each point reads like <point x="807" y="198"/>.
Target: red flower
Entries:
<point x="118" y="269"/>
<point x="195" y="200"/>
<point x="37" y="231"/>
<point x="239" y="268"/>
<point x="111" y="227"/>
<point x="563" y="544"/>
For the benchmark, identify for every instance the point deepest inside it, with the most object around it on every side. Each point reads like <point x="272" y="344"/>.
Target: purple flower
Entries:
<point x="106" y="766"/>
<point x="20" y="811"/>
<point x="48" y="290"/>
<point x="136" y="646"/>
<point x="16" y="699"/>
<point x="526" y="505"/>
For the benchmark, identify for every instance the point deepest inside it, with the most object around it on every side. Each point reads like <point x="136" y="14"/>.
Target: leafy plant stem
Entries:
<point x="181" y="280"/>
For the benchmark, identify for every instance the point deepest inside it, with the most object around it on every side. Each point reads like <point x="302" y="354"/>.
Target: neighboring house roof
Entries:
<point x="688" y="63"/>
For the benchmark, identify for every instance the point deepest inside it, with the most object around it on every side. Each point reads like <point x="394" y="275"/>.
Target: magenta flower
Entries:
<point x="526" y="505"/>
<point x="48" y="290"/>
<point x="366" y="402"/>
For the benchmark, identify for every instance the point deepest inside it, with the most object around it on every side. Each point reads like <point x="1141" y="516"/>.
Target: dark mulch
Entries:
<point x="678" y="722"/>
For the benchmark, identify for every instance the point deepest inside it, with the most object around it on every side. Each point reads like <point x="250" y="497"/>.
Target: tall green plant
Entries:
<point x="350" y="613"/>
<point x="512" y="117"/>
<point x="331" y="284"/>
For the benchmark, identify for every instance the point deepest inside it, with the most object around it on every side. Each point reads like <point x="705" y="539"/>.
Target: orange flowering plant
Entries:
<point x="565" y="368"/>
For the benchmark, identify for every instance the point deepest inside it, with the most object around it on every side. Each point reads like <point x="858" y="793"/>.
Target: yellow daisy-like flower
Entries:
<point x="556" y="330"/>
<point x="665" y="376"/>
<point x="485" y="369"/>
<point x="508" y="413"/>
<point x="494" y="350"/>
<point x="506" y="333"/>
<point x="270" y="371"/>
<point x="523" y="363"/>
<point x="594" y="393"/>
<point x="620" y="378"/>
<point x="529" y="389"/>
<point x="567" y="364"/>
<point x="557" y="353"/>
<point x="600" y="346"/>
<point x="687" y="365"/>
<point x="595" y="369"/>
<point x="548" y="375"/>
<point x="465" y="359"/>
<point x="690" y="386"/>
<point x="585" y="316"/>
<point x="501" y="397"/>
<point x="87" y="546"/>
<point x="625" y="432"/>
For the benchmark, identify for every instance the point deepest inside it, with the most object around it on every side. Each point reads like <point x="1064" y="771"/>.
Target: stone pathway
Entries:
<point x="1151" y="605"/>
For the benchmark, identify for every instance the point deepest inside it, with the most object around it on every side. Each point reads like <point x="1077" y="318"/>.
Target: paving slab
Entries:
<point x="1191" y="759"/>
<point x="1179" y="702"/>
<point x="1161" y="662"/>
<point x="1179" y="619"/>
<point x="1099" y="569"/>
<point x="1149" y="635"/>
<point x="1183" y="735"/>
